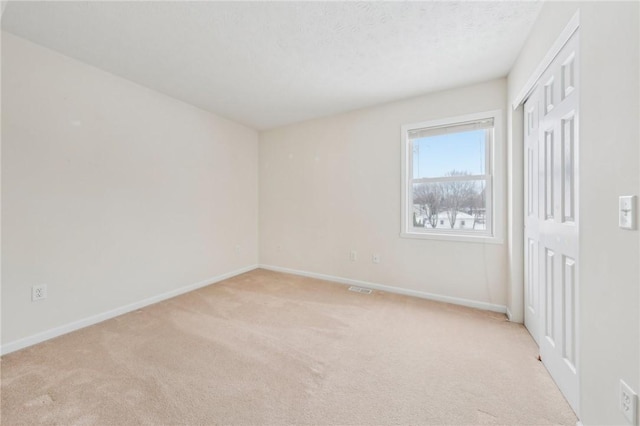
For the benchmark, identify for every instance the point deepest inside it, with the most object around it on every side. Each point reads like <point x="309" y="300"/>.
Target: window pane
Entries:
<point x="450" y="154"/>
<point x="450" y="205"/>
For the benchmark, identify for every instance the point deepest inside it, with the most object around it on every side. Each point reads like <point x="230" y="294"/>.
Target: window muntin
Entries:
<point x="448" y="182"/>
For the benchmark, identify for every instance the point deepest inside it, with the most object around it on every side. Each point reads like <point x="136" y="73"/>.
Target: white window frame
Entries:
<point x="495" y="188"/>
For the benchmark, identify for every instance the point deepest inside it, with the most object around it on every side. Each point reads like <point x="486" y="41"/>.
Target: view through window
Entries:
<point x="449" y="178"/>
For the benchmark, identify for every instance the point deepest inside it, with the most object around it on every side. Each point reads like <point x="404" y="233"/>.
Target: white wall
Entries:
<point x="111" y="192"/>
<point x="333" y="184"/>
<point x="609" y="335"/>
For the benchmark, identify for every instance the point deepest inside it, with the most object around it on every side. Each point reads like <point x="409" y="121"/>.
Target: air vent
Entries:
<point x="360" y="290"/>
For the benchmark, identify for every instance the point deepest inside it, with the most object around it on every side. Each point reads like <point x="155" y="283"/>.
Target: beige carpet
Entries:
<point x="270" y="348"/>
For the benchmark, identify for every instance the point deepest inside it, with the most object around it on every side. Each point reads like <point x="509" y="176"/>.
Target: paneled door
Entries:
<point x="532" y="318"/>
<point x="551" y="218"/>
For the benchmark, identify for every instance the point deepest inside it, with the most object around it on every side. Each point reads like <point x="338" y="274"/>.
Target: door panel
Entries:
<point x="549" y="284"/>
<point x="549" y="174"/>
<point x="568" y="159"/>
<point x="568" y="284"/>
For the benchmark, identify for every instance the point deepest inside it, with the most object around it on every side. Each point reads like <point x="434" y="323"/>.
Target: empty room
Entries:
<point x="320" y="213"/>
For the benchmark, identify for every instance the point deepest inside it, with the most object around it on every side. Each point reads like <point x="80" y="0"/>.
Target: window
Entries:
<point x="449" y="178"/>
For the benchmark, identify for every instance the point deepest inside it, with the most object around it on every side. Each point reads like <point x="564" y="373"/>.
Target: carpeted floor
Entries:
<point x="270" y="348"/>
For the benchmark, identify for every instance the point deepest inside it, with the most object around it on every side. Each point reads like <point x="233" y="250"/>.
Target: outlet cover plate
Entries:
<point x="628" y="402"/>
<point x="38" y="292"/>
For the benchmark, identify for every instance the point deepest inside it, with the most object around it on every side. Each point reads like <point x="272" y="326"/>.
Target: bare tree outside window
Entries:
<point x="429" y="197"/>
<point x="457" y="195"/>
<point x="451" y="198"/>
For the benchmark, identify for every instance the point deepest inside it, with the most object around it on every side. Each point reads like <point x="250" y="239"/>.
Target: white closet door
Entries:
<point x="551" y="235"/>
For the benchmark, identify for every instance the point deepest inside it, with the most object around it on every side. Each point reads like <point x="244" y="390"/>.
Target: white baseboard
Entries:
<point x="407" y="292"/>
<point x="76" y="325"/>
<point x="509" y="314"/>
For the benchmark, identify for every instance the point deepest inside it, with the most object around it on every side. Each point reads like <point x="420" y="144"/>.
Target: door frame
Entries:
<point x="571" y="27"/>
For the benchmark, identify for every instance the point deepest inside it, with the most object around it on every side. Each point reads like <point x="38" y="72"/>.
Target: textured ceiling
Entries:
<point x="266" y="64"/>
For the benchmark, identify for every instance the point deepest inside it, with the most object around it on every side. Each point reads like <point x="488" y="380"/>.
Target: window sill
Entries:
<point x="482" y="239"/>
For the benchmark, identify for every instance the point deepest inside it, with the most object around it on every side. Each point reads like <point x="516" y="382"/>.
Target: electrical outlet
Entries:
<point x="353" y="255"/>
<point x="628" y="402"/>
<point x="238" y="248"/>
<point x="375" y="258"/>
<point x="38" y="292"/>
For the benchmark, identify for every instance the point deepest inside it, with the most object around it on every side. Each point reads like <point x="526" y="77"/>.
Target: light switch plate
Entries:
<point x="627" y="212"/>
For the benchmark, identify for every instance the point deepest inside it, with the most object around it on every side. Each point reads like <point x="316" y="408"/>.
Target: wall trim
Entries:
<point x="94" y="319"/>
<point x="509" y="316"/>
<point x="563" y="38"/>
<point x="390" y="289"/>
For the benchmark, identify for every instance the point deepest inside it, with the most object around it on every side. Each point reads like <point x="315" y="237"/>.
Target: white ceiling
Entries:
<point x="267" y="64"/>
